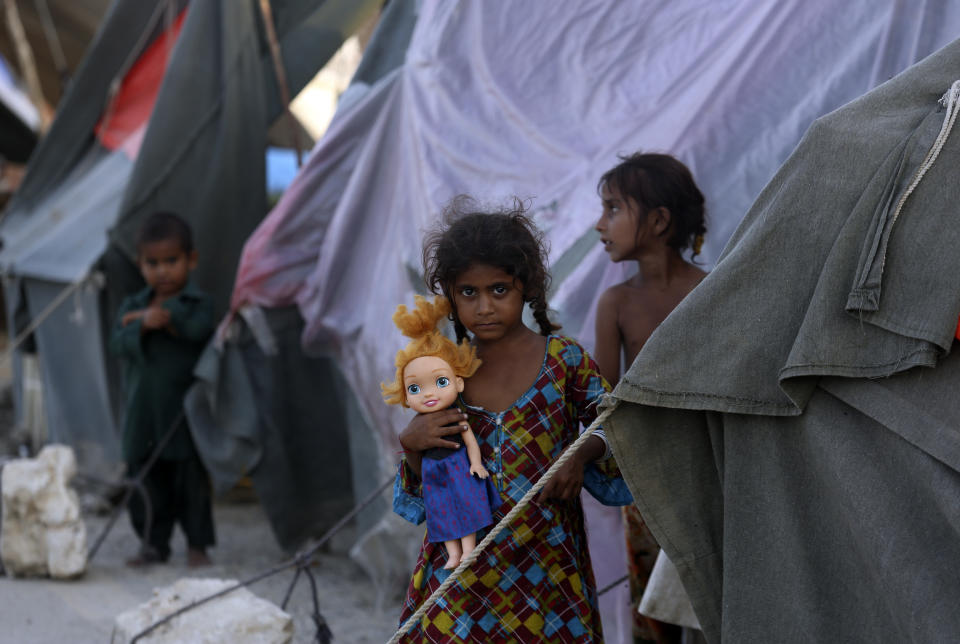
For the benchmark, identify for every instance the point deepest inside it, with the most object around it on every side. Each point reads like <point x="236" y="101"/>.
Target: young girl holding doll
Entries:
<point x="525" y="405"/>
<point x="458" y="496"/>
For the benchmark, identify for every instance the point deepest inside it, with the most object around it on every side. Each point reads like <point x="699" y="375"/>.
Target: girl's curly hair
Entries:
<point x="420" y="324"/>
<point x="505" y="238"/>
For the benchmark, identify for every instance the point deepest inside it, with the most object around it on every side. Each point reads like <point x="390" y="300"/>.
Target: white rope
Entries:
<point x="44" y="314"/>
<point x="950" y="102"/>
<point x="501" y="526"/>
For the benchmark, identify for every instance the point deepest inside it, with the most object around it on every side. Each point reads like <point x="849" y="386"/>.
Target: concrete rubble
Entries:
<point x="42" y="532"/>
<point x="239" y="616"/>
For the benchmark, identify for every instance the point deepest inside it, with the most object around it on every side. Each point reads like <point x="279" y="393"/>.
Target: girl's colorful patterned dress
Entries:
<point x="534" y="583"/>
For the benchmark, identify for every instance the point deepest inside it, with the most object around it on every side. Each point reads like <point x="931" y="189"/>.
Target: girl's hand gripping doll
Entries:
<point x="458" y="494"/>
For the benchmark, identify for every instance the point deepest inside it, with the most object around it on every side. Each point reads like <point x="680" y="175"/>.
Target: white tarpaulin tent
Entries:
<point x="537" y="99"/>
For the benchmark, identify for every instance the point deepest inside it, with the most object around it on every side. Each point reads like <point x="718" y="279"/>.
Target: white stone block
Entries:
<point x="239" y="616"/>
<point x="42" y="532"/>
<point x="67" y="550"/>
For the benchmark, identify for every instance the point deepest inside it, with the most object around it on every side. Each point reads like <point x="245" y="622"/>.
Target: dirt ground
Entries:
<point x="44" y="611"/>
<point x="81" y="611"/>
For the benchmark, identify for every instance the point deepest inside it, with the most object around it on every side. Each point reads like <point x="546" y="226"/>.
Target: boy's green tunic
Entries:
<point x="158" y="370"/>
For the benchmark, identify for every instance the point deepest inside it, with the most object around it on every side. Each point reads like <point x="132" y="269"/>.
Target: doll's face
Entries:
<point x="430" y="384"/>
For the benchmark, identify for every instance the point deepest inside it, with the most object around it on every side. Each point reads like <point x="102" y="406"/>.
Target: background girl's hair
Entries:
<point x="660" y="180"/>
<point x="505" y="238"/>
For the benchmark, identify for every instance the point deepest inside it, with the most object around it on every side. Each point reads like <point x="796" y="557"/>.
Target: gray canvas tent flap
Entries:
<point x="790" y="431"/>
<point x="65" y="236"/>
<point x="789" y="271"/>
<point x="287" y="421"/>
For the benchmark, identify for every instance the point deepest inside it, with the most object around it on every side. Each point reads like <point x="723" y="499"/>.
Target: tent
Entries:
<point x="805" y="483"/>
<point x="125" y="143"/>
<point x="534" y="100"/>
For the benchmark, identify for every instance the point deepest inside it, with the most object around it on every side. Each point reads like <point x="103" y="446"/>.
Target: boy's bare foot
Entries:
<point x="196" y="558"/>
<point x="146" y="557"/>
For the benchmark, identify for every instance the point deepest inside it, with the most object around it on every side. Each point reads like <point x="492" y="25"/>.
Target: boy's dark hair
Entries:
<point x="505" y="238"/>
<point x="660" y="180"/>
<point x="165" y="225"/>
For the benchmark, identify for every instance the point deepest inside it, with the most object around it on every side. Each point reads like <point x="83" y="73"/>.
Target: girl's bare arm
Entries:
<point x="608" y="343"/>
<point x="568" y="480"/>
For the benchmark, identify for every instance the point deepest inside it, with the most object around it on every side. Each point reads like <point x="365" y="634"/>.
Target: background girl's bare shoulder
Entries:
<point x="615" y="296"/>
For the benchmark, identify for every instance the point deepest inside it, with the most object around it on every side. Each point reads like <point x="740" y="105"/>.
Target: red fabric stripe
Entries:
<point x="124" y="121"/>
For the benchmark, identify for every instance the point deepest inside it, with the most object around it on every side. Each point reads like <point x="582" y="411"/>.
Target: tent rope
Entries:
<point x="136" y="485"/>
<point x="301" y="561"/>
<point x="503" y="524"/>
<point x="47" y="312"/>
<point x="949" y="101"/>
<point x="613" y="584"/>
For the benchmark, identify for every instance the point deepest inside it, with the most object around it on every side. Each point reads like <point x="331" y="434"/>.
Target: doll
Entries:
<point x="459" y="496"/>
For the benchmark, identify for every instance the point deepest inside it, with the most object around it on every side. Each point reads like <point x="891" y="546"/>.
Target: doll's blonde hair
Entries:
<point x="420" y="324"/>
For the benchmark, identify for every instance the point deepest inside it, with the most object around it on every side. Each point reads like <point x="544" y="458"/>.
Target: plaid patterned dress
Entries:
<point x="534" y="583"/>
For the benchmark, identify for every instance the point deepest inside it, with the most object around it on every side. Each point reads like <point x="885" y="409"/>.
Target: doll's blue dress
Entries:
<point x="457" y="503"/>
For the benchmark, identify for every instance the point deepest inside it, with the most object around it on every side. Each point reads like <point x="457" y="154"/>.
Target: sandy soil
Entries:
<point x="42" y="611"/>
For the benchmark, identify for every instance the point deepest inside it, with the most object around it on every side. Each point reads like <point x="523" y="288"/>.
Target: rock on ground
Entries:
<point x="239" y="616"/>
<point x="42" y="532"/>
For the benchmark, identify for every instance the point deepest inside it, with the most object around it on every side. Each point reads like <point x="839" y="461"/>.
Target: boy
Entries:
<point x="652" y="212"/>
<point x="159" y="334"/>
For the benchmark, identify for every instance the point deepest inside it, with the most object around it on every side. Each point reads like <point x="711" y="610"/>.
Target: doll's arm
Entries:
<point x="473" y="453"/>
